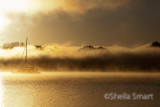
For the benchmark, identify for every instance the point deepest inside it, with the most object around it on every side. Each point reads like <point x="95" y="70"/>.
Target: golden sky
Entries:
<point x="32" y="6"/>
<point x="99" y="22"/>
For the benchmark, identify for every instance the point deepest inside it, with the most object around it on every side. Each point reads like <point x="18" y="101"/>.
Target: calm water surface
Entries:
<point x="76" y="89"/>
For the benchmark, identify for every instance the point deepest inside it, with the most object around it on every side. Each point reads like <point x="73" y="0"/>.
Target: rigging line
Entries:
<point x="22" y="55"/>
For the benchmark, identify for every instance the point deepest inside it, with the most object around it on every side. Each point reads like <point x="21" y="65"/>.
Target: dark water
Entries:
<point x="77" y="89"/>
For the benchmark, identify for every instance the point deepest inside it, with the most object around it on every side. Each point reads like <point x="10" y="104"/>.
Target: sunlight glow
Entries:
<point x="16" y="52"/>
<point x="28" y="6"/>
<point x="3" y="21"/>
<point x="14" y="5"/>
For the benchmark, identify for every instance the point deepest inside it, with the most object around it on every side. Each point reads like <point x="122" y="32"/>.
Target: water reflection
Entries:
<point x="71" y="89"/>
<point x="1" y="92"/>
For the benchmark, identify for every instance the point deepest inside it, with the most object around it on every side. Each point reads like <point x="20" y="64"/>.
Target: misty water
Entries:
<point x="76" y="89"/>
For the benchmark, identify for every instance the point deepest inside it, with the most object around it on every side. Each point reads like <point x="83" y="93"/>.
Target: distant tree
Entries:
<point x="38" y="47"/>
<point x="88" y="47"/>
<point x="100" y="47"/>
<point x="91" y="47"/>
<point x="155" y="44"/>
<point x="12" y="45"/>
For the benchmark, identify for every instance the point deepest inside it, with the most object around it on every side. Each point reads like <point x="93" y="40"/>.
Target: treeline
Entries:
<point x="18" y="44"/>
<point x="12" y="45"/>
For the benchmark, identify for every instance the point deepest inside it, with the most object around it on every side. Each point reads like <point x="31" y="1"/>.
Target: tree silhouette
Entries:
<point x="155" y="44"/>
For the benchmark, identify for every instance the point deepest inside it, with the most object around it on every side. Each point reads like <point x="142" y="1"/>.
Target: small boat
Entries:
<point x="26" y="67"/>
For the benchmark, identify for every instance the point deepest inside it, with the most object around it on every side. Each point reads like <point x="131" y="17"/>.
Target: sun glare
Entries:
<point x="14" y="5"/>
<point x="3" y="22"/>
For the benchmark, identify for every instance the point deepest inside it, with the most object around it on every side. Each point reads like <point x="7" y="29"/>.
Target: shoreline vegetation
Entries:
<point x="12" y="45"/>
<point x="90" y="58"/>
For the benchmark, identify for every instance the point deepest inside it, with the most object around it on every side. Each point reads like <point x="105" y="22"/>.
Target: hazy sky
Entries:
<point x="97" y="22"/>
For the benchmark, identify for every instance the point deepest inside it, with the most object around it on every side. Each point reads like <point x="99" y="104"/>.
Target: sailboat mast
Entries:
<point x="26" y="49"/>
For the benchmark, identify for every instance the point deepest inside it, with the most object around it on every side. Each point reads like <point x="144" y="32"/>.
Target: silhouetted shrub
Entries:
<point x="12" y="45"/>
<point x="90" y="47"/>
<point x="155" y="44"/>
